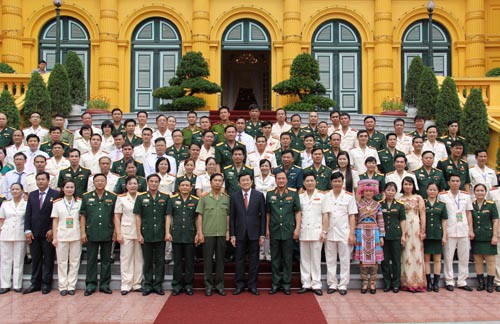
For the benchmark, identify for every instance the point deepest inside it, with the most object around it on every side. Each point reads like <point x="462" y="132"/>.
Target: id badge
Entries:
<point x="460" y="217"/>
<point x="69" y="222"/>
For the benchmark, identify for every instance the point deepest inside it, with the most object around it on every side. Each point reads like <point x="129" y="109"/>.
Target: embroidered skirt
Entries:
<point x="368" y="249"/>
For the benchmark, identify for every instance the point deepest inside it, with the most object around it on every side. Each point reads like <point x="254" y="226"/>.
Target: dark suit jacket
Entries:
<point x="251" y="221"/>
<point x="37" y="220"/>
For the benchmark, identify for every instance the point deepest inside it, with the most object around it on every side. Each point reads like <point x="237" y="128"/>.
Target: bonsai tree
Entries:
<point x="9" y="108"/>
<point x="74" y="67"/>
<point x="304" y="83"/>
<point x="427" y="94"/>
<point x="37" y="99"/>
<point x="447" y="105"/>
<point x="6" y="68"/>
<point x="190" y="79"/>
<point x="59" y="90"/>
<point x="474" y="122"/>
<point x="413" y="80"/>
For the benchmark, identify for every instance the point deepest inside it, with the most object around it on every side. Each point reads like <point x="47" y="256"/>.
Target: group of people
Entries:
<point x="244" y="190"/>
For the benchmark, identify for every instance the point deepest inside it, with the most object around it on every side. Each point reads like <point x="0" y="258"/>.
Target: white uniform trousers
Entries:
<point x="68" y="263"/>
<point x="462" y="246"/>
<point x="310" y="264"/>
<point x="343" y="250"/>
<point x="12" y="263"/>
<point x="497" y="274"/>
<point x="131" y="263"/>
<point x="265" y="251"/>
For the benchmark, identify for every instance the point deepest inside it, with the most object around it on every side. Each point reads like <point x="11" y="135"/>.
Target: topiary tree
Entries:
<point x="37" y="99"/>
<point x="304" y="83"/>
<point x="427" y="94"/>
<point x="59" y="91"/>
<point x="74" y="67"/>
<point x="6" y="68"/>
<point x="190" y="79"/>
<point x="413" y="80"/>
<point x="495" y="72"/>
<point x="8" y="107"/>
<point x="447" y="105"/>
<point x="474" y="122"/>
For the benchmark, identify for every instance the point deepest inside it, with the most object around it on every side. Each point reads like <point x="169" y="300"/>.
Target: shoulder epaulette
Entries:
<point x="137" y="161"/>
<point x="88" y="192"/>
<point x="163" y="192"/>
<point x="69" y="131"/>
<point x="460" y="137"/>
<point x="228" y="166"/>
<point x="399" y="201"/>
<point x="112" y="192"/>
<point x="142" y="193"/>
<point x="354" y="129"/>
<point x="463" y="160"/>
<point x="271" y="189"/>
<point x="389" y="173"/>
<point x="122" y="195"/>
<point x="224" y="194"/>
<point x="65" y="143"/>
<point x="443" y="192"/>
<point x="12" y="128"/>
<point x="241" y="143"/>
<point x="443" y="159"/>
<point x="219" y="144"/>
<point x="465" y="192"/>
<point x="380" y="150"/>
<point x="379" y="173"/>
<point x="296" y="150"/>
<point x="174" y="195"/>
<point x="179" y="176"/>
<point x="495" y="188"/>
<point x="299" y="167"/>
<point x="56" y="200"/>
<point x="83" y="167"/>
<point x="46" y="142"/>
<point x="292" y="189"/>
<point x="348" y="192"/>
<point x="444" y="136"/>
<point x="490" y="202"/>
<point x="248" y="167"/>
<point x="472" y="167"/>
<point x="195" y="197"/>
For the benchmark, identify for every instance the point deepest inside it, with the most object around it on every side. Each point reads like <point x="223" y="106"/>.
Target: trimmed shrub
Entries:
<point x="495" y="72"/>
<point x="413" y="80"/>
<point x="474" y="122"/>
<point x="37" y="99"/>
<point x="6" y="68"/>
<point x="447" y="105"/>
<point x="427" y="94"/>
<point x="59" y="91"/>
<point x="76" y="77"/>
<point x="8" y="107"/>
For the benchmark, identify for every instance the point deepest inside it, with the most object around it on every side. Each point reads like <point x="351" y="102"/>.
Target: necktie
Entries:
<point x="239" y="137"/>
<point x="41" y="199"/>
<point x="245" y="200"/>
<point x="19" y="179"/>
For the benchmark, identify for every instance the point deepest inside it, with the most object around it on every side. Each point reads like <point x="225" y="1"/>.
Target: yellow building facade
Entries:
<point x="364" y="47"/>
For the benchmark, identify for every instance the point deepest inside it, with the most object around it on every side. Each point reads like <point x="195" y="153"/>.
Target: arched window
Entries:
<point x="156" y="51"/>
<point x="337" y="47"/>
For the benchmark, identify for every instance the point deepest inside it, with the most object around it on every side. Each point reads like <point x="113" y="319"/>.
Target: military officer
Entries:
<point x="119" y="167"/>
<point x="181" y="231"/>
<point x="321" y="138"/>
<point x="77" y="173"/>
<point x="293" y="172"/>
<point x="386" y="156"/>
<point x="179" y="151"/>
<point x="427" y="174"/>
<point x="283" y="226"/>
<point x="454" y="164"/>
<point x="191" y="128"/>
<point x="452" y="136"/>
<point x="129" y="133"/>
<point x="347" y="134"/>
<point x="285" y="144"/>
<point x="224" y="150"/>
<point x="480" y="173"/>
<point x="312" y="125"/>
<point x="359" y="154"/>
<point x="220" y="127"/>
<point x="322" y="174"/>
<point x="253" y="127"/>
<point x="419" y="131"/>
<point x="67" y="136"/>
<point x="297" y="133"/>
<point x="332" y="152"/>
<point x="371" y="173"/>
<point x="131" y="170"/>
<point x="150" y="210"/>
<point x="197" y="136"/>
<point x="117" y="116"/>
<point x="97" y="229"/>
<point x="376" y="139"/>
<point x="55" y="136"/>
<point x="232" y="171"/>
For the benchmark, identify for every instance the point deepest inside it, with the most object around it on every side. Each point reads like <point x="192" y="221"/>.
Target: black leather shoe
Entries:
<point x="208" y="292"/>
<point x="124" y="292"/>
<point x="273" y="290"/>
<point x="46" y="290"/>
<point x="331" y="291"/>
<point x="287" y="291"/>
<point x="343" y="292"/>
<point x="139" y="290"/>
<point x="146" y="292"/>
<point x="364" y="290"/>
<point x="450" y="287"/>
<point x="88" y="292"/>
<point x="395" y="290"/>
<point x="27" y="260"/>
<point x="63" y="292"/>
<point x="254" y="291"/>
<point x="176" y="292"/>
<point x="71" y="292"/>
<point x="31" y="289"/>
<point x="189" y="291"/>
<point x="106" y="291"/>
<point x="302" y="291"/>
<point x="497" y="288"/>
<point x="18" y="290"/>
<point x="466" y="288"/>
<point x="159" y="292"/>
<point x="221" y="292"/>
<point x="237" y="291"/>
<point x="373" y="291"/>
<point x="387" y="289"/>
<point x="4" y="291"/>
<point x="318" y="292"/>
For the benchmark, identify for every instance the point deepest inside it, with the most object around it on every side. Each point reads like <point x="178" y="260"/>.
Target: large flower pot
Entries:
<point x="394" y="113"/>
<point x="94" y="111"/>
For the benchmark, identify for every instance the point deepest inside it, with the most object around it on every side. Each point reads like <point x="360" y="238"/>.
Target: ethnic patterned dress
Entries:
<point x="369" y="230"/>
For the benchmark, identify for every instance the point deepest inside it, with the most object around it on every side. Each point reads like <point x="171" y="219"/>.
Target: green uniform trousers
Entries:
<point x="281" y="262"/>
<point x="183" y="264"/>
<point x="154" y="265"/>
<point x="217" y="245"/>
<point x="391" y="266"/>
<point x="105" y="275"/>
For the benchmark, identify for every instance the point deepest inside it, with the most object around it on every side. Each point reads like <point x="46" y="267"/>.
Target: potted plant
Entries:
<point x="98" y="105"/>
<point x="393" y="107"/>
<point x="412" y="82"/>
<point x="74" y="67"/>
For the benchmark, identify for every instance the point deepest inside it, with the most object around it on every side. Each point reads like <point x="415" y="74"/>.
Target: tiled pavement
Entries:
<point x="458" y="306"/>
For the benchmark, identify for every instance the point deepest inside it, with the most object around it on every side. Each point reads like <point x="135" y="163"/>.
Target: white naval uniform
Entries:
<point x="414" y="161"/>
<point x="12" y="150"/>
<point x="53" y="167"/>
<point x="205" y="154"/>
<point x="393" y="176"/>
<point x="90" y="161"/>
<point x="82" y="145"/>
<point x="69" y="246"/>
<point x="140" y="152"/>
<point x="487" y="176"/>
<point x="349" y="139"/>
<point x="41" y="132"/>
<point x="265" y="185"/>
<point x="311" y="227"/>
<point x="403" y="143"/>
<point x="439" y="150"/>
<point x="12" y="244"/>
<point x="107" y="144"/>
<point x="277" y="130"/>
<point x="253" y="159"/>
<point x="111" y="178"/>
<point x="358" y="157"/>
<point x="199" y="168"/>
<point x="95" y="130"/>
<point x="337" y="239"/>
<point x="458" y="236"/>
<point x="131" y="259"/>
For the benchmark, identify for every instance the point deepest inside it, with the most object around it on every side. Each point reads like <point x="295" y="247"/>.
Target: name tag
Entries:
<point x="69" y="222"/>
<point x="460" y="217"/>
<point x="288" y="198"/>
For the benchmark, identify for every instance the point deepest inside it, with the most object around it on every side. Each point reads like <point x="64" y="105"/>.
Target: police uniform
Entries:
<point x="252" y="129"/>
<point x="99" y="214"/>
<point x="135" y="141"/>
<point x="183" y="231"/>
<point x="434" y="216"/>
<point x="487" y="176"/>
<point x="403" y="143"/>
<point x="414" y="161"/>
<point x="224" y="153"/>
<point x="482" y="220"/>
<point x="277" y="129"/>
<point x="349" y="139"/>
<point x="120" y="167"/>
<point x="47" y="148"/>
<point x="391" y="265"/>
<point x="358" y="157"/>
<point x="387" y="160"/>
<point x="121" y="183"/>
<point x="377" y="140"/>
<point x="424" y="178"/>
<point x="298" y="138"/>
<point x="296" y="156"/>
<point x="187" y="133"/>
<point x="53" y="167"/>
<point x="91" y="161"/>
<point x="179" y="154"/>
<point x="80" y="177"/>
<point x="152" y="211"/>
<point x="381" y="182"/>
<point x="448" y="167"/>
<point x="282" y="209"/>
<point x="447" y="140"/>
<point x="231" y="177"/>
<point x="220" y="129"/>
<point x="323" y="175"/>
<point x="294" y="175"/>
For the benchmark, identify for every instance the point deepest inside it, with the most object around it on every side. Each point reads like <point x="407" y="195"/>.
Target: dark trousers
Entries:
<point x="154" y="265"/>
<point x="213" y="244"/>
<point x="42" y="267"/>
<point x="105" y="277"/>
<point x="391" y="266"/>
<point x="281" y="262"/>
<point x="183" y="263"/>
<point x="253" y="262"/>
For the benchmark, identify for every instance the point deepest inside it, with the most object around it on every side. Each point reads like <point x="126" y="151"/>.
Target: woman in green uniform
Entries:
<point x="189" y="166"/>
<point x="484" y="244"/>
<point x="435" y="235"/>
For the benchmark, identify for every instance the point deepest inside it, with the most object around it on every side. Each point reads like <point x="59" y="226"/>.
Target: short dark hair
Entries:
<point x="287" y="152"/>
<point x="337" y="175"/>
<point x="116" y="109"/>
<point x="431" y="126"/>
<point x="345" y="114"/>
<point x="481" y="150"/>
<point x="43" y="173"/>
<point x="127" y="144"/>
<point x="223" y="108"/>
<point x="105" y="123"/>
<point x="390" y="134"/>
<point x="244" y="174"/>
<point x="316" y="148"/>
<point x="398" y="120"/>
<point x="229" y="126"/>
<point x="159" y="116"/>
<point x="370" y="159"/>
<point x="369" y="117"/>
<point x="418" y="117"/>
<point x="147" y="129"/>
<point x="415" y="138"/>
<point x="192" y="112"/>
<point x="457" y="143"/>
<point x="266" y="123"/>
<point x="142" y="112"/>
<point x="238" y="148"/>
<point x="285" y="134"/>
<point x="54" y="128"/>
<point x="309" y="136"/>
<point x="425" y="152"/>
<point x="30" y="136"/>
<point x="216" y="175"/>
<point x="309" y="174"/>
<point x="160" y="139"/>
<point x="59" y="143"/>
<point x="334" y="112"/>
<point x="99" y="175"/>
<point x="153" y="175"/>
<point x="71" y="150"/>
<point x="362" y="131"/>
<point x="452" y="121"/>
<point x="130" y="120"/>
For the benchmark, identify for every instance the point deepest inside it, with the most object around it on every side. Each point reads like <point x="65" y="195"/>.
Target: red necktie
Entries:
<point x="245" y="200"/>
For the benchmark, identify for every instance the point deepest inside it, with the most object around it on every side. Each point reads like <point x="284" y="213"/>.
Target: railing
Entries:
<point x="490" y="88"/>
<point x="17" y="85"/>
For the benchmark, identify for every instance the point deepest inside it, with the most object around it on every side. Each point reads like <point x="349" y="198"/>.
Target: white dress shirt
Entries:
<point x="486" y="176"/>
<point x="41" y="132"/>
<point x="247" y="140"/>
<point x="414" y="161"/>
<point x="398" y="180"/>
<point x="265" y="184"/>
<point x="167" y="183"/>
<point x="12" y="177"/>
<point x="30" y="161"/>
<point x="12" y="150"/>
<point x="403" y="143"/>
<point x="53" y="167"/>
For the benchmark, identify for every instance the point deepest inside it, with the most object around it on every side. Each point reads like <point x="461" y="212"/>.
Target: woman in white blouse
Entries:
<point x="67" y="239"/>
<point x="263" y="183"/>
<point x="108" y="141"/>
<point x="351" y="176"/>
<point x="12" y="240"/>
<point x="83" y="143"/>
<point x="167" y="181"/>
<point x="131" y="260"/>
<point x="203" y="181"/>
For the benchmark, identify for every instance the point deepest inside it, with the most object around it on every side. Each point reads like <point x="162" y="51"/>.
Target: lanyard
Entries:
<point x="457" y="202"/>
<point x="69" y="207"/>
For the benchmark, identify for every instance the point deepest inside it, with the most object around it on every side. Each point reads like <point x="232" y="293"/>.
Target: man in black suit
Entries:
<point x="247" y="227"/>
<point x="38" y="231"/>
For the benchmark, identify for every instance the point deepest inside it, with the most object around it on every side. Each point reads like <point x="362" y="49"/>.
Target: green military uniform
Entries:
<point x="224" y="153"/>
<point x="68" y="137"/>
<point x="282" y="209"/>
<point x="416" y="134"/>
<point x="198" y="135"/>
<point x="183" y="231"/>
<point x="447" y="140"/>
<point x="220" y="129"/>
<point x="47" y="148"/>
<point x="482" y="221"/>
<point x="448" y="167"/>
<point x="324" y="144"/>
<point x="231" y="177"/>
<point x="80" y="177"/>
<point x="214" y="227"/>
<point x="187" y="133"/>
<point x="330" y="159"/>
<point x="178" y="154"/>
<point x="298" y="139"/>
<point x="120" y="185"/>
<point x="381" y="182"/>
<point x="295" y="176"/>
<point x="119" y="167"/>
<point x="99" y="228"/>
<point x="179" y="179"/>
<point x="120" y="129"/>
<point x="377" y="140"/>
<point x="6" y="136"/>
<point x="252" y="129"/>
<point x="296" y="156"/>
<point x="434" y="215"/>
<point x="391" y="265"/>
<point x="311" y="130"/>
<point x="153" y="211"/>
<point x="323" y="176"/>
<point x="424" y="178"/>
<point x="136" y="140"/>
<point x="387" y="160"/>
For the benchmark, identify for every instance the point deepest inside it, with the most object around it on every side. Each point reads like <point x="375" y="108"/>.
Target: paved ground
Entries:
<point x="458" y="306"/>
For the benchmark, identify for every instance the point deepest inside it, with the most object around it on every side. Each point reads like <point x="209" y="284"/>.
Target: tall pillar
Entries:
<point x="201" y="26"/>
<point x="475" y="38"/>
<point x="382" y="62"/>
<point x="12" y="45"/>
<point x="108" y="51"/>
<point x="291" y="34"/>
